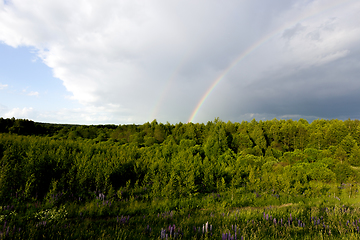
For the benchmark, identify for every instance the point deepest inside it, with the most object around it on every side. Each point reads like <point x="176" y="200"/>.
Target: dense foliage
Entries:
<point x="155" y="168"/>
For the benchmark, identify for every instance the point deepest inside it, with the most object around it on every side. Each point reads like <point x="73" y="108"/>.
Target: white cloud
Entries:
<point x="23" y="113"/>
<point x="3" y="86"/>
<point x="32" y="93"/>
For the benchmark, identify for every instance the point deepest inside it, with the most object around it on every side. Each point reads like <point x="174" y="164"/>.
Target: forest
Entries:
<point x="274" y="179"/>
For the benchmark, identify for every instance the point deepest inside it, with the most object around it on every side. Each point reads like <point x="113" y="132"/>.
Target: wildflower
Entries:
<point x="170" y="230"/>
<point x="163" y="232"/>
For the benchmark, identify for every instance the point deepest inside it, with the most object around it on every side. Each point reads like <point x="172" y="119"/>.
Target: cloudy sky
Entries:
<point x="129" y="61"/>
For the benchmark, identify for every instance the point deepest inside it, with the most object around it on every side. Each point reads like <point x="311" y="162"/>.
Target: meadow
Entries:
<point x="252" y="180"/>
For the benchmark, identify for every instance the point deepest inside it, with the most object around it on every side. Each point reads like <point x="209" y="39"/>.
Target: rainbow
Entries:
<point x="253" y="48"/>
<point x="169" y="83"/>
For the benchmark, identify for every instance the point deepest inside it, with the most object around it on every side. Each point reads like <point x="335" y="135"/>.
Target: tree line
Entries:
<point x="156" y="160"/>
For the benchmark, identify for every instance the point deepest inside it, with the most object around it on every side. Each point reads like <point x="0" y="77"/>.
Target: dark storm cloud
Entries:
<point x="328" y="91"/>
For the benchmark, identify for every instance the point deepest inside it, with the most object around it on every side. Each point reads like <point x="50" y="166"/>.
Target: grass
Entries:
<point x="248" y="214"/>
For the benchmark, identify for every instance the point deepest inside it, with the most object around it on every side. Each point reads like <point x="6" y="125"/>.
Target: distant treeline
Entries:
<point x="167" y="160"/>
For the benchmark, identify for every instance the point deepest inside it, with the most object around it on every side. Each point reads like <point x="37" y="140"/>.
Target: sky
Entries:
<point x="129" y="61"/>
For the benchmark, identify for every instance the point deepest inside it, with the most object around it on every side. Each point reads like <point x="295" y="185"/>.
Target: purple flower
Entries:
<point x="163" y="232"/>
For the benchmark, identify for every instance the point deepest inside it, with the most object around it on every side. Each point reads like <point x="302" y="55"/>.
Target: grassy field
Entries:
<point x="239" y="214"/>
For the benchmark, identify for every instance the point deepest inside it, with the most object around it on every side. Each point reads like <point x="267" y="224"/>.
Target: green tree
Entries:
<point x="340" y="154"/>
<point x="347" y="144"/>
<point x="159" y="133"/>
<point x="354" y="158"/>
<point x="258" y="137"/>
<point x="216" y="144"/>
